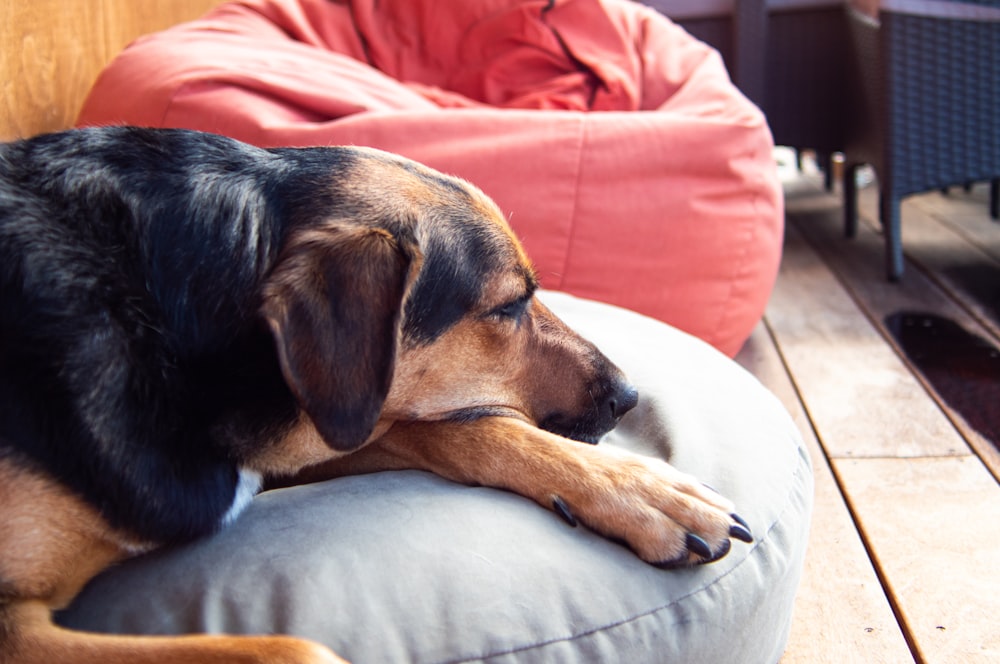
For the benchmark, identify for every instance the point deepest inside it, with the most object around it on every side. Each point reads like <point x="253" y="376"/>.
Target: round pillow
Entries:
<point x="407" y="567"/>
<point x="630" y="166"/>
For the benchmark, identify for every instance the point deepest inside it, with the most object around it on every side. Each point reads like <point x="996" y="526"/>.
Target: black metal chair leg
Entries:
<point x="995" y="198"/>
<point x="825" y="163"/>
<point x="892" y="228"/>
<point x="850" y="200"/>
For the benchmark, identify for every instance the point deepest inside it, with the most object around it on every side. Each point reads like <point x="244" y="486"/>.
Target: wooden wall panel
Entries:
<point x="52" y="50"/>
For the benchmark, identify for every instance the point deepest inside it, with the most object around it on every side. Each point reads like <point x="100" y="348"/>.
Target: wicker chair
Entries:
<point x="788" y="56"/>
<point x="927" y="108"/>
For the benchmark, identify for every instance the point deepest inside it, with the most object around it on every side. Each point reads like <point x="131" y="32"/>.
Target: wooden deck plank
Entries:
<point x="956" y="258"/>
<point x="858" y="264"/>
<point x="916" y="511"/>
<point x="859" y="626"/>
<point x="927" y="516"/>
<point x="932" y="525"/>
<point x="851" y="382"/>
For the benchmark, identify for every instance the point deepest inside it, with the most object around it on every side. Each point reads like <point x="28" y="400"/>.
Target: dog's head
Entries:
<point x="411" y="299"/>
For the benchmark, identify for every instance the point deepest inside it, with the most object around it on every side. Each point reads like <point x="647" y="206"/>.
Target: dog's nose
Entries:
<point x="621" y="399"/>
<point x="608" y="401"/>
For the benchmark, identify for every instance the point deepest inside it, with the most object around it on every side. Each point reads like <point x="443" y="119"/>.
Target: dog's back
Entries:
<point x="182" y="315"/>
<point x="130" y="262"/>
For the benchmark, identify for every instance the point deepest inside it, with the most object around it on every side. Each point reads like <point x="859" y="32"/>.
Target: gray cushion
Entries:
<point x="407" y="567"/>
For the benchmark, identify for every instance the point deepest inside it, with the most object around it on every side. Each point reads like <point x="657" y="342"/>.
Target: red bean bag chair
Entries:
<point x="632" y="169"/>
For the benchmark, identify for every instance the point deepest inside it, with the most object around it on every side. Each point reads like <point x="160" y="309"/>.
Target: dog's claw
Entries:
<point x="698" y="546"/>
<point x="721" y="553"/>
<point x="562" y="509"/>
<point x="741" y="530"/>
<point x="741" y="533"/>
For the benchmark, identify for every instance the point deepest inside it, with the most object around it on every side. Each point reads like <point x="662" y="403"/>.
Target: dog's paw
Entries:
<point x="668" y="518"/>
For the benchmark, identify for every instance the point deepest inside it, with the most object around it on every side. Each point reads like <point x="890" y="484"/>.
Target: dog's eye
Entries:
<point x="512" y="310"/>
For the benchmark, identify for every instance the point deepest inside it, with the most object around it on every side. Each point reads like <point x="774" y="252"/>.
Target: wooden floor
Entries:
<point x="904" y="556"/>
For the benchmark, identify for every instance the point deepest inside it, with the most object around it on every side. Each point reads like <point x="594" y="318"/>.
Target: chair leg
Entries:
<point x="825" y="164"/>
<point x="995" y="198"/>
<point x="850" y="194"/>
<point x="892" y="227"/>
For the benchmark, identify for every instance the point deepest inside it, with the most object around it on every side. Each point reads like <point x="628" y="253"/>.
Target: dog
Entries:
<point x="186" y="317"/>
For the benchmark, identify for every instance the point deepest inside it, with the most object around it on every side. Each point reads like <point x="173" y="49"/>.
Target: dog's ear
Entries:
<point x="333" y="303"/>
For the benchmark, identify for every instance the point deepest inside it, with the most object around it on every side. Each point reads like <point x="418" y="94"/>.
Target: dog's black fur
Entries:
<point x="182" y="314"/>
<point x="131" y="268"/>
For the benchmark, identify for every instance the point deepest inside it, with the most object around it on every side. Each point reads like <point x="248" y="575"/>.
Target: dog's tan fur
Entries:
<point x="53" y="542"/>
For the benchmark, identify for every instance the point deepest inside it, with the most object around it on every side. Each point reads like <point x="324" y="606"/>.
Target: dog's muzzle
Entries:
<point x="611" y="399"/>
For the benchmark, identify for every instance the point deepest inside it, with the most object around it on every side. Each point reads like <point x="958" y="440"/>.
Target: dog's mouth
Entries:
<point x="580" y="430"/>
<point x="567" y="427"/>
<point x="608" y="407"/>
<point x="580" y="433"/>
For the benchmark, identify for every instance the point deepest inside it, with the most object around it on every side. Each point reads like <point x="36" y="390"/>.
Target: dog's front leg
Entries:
<point x="51" y="544"/>
<point x="667" y="517"/>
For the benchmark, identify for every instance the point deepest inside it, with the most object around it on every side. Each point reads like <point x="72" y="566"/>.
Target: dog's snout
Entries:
<point x="609" y="401"/>
<point x="621" y="399"/>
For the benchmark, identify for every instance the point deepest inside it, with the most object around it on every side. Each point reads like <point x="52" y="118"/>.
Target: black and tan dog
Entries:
<point x="183" y="316"/>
